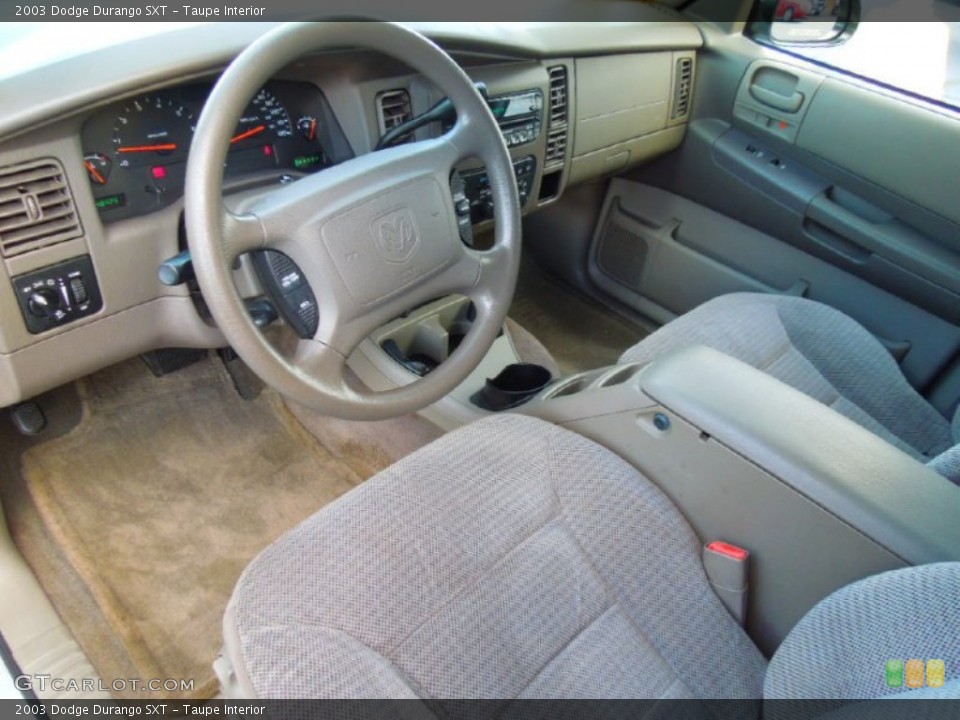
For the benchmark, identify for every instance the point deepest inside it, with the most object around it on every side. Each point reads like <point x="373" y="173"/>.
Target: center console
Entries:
<point x="817" y="500"/>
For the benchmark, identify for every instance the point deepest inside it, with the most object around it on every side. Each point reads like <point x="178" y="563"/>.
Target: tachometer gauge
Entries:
<point x="264" y="119"/>
<point x="151" y="129"/>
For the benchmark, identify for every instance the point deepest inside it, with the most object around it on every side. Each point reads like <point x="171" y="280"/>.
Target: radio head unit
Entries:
<point x="507" y="107"/>
<point x="519" y="115"/>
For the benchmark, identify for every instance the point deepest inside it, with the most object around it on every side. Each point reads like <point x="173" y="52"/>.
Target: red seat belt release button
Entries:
<point x="730" y="551"/>
<point x="727" y="568"/>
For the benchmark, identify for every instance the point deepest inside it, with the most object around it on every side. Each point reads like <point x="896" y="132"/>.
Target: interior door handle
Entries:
<point x="787" y="103"/>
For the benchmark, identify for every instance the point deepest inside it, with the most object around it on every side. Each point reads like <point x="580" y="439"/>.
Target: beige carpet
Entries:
<point x="579" y="332"/>
<point x="139" y="521"/>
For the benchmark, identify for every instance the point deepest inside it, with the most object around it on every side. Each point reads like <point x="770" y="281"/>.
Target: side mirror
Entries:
<point x="805" y="22"/>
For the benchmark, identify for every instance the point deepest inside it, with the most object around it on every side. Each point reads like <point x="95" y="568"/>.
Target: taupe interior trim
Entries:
<point x="901" y="503"/>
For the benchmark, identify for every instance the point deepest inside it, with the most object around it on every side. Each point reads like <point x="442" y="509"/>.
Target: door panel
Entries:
<point x="861" y="180"/>
<point x="910" y="150"/>
<point x="663" y="254"/>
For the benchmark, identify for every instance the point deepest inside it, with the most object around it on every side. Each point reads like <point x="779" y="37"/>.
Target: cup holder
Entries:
<point x="572" y="387"/>
<point x="597" y="380"/>
<point x="515" y="384"/>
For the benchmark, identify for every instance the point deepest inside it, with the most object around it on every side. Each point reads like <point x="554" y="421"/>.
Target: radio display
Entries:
<point x="512" y="106"/>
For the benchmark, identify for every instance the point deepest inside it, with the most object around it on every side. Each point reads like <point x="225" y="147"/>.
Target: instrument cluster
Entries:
<point x="135" y="151"/>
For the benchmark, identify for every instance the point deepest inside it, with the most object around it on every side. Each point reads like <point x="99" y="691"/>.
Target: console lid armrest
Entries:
<point x="860" y="478"/>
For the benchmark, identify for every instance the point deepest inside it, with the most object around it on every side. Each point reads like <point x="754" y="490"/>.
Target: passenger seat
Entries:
<point x="823" y="353"/>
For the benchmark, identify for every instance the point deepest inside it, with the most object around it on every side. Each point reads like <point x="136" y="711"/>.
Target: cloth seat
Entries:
<point x="821" y="352"/>
<point x="508" y="559"/>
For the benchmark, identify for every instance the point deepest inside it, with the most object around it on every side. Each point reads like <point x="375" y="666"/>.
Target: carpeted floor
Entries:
<point x="139" y="520"/>
<point x="579" y="332"/>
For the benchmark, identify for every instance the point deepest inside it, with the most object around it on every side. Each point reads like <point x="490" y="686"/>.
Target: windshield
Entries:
<point x="28" y="45"/>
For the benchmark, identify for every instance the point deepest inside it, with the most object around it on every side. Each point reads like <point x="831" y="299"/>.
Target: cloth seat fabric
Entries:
<point x="839" y="649"/>
<point x="507" y="559"/>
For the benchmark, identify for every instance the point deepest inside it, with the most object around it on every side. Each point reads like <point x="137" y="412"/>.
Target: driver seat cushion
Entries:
<point x="817" y="350"/>
<point x="508" y="559"/>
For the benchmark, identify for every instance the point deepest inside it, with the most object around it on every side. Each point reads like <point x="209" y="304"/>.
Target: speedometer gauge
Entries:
<point x="265" y="118"/>
<point x="150" y="128"/>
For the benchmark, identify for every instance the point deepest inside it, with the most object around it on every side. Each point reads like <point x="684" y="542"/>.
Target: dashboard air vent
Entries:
<point x="394" y="109"/>
<point x="557" y="132"/>
<point x="683" y="86"/>
<point x="36" y="209"/>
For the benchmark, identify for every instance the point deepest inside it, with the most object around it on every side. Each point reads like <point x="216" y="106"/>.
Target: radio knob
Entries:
<point x="44" y="302"/>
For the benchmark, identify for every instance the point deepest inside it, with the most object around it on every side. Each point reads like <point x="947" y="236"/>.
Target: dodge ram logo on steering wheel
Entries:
<point x="396" y="235"/>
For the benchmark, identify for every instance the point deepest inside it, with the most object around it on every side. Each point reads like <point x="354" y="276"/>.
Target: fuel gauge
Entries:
<point x="98" y="167"/>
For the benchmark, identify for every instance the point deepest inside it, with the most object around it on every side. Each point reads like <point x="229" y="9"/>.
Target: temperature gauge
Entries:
<point x="307" y="125"/>
<point x="98" y="167"/>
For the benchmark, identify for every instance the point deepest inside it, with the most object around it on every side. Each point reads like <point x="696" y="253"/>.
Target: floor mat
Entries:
<point x="139" y="521"/>
<point x="579" y="332"/>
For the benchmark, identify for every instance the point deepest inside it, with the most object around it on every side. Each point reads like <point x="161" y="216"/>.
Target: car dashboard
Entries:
<point x="93" y="154"/>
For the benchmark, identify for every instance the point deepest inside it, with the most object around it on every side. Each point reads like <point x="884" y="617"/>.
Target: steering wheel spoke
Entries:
<point x="240" y="233"/>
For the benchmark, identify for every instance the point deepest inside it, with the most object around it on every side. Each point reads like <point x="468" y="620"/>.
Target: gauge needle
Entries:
<point x="91" y="168"/>
<point x="313" y="130"/>
<point x="148" y="148"/>
<point x="249" y="133"/>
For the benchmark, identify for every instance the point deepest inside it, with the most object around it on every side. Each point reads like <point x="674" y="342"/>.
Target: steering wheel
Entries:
<point x="374" y="236"/>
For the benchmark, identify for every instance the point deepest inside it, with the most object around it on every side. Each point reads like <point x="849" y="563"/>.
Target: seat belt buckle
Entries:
<point x="727" y="568"/>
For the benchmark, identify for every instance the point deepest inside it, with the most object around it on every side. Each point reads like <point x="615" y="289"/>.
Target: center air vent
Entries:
<point x="394" y="109"/>
<point x="36" y="209"/>
<point x="557" y="132"/>
<point x="683" y="86"/>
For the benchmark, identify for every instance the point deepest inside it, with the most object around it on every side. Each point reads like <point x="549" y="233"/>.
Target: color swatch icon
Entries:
<point x="913" y="672"/>
<point x="936" y="673"/>
<point x="894" y="673"/>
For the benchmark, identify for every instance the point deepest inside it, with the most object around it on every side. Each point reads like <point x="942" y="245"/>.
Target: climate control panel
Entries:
<point x="477" y="188"/>
<point x="58" y="294"/>
<point x="473" y="199"/>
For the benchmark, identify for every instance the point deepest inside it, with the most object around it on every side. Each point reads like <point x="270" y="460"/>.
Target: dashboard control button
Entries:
<point x="288" y="289"/>
<point x="477" y="188"/>
<point x="58" y="294"/>
<point x="44" y="302"/>
<point x="286" y="272"/>
<point x="78" y="290"/>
